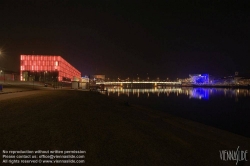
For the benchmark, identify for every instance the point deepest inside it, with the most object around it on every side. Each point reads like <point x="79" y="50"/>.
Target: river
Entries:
<point x="223" y="108"/>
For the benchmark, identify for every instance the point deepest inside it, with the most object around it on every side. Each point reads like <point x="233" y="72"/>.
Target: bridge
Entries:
<point x="120" y="83"/>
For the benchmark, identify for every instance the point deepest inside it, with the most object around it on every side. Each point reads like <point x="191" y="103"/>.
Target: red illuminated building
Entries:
<point x="46" y="68"/>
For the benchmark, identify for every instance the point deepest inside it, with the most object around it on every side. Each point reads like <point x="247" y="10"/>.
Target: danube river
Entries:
<point x="227" y="109"/>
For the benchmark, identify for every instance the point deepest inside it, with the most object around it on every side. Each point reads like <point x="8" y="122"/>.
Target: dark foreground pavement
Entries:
<point x="111" y="132"/>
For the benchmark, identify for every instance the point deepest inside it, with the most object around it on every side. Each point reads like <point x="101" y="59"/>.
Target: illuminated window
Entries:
<point x="41" y="63"/>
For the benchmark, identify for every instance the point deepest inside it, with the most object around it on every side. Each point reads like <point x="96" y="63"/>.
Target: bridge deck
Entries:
<point x="138" y="82"/>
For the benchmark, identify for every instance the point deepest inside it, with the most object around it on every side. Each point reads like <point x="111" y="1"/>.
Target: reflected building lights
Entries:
<point x="195" y="93"/>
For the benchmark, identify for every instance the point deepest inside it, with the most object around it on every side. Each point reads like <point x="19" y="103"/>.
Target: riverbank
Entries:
<point x="112" y="132"/>
<point x="9" y="88"/>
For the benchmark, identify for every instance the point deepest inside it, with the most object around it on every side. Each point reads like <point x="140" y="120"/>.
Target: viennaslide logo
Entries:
<point x="234" y="155"/>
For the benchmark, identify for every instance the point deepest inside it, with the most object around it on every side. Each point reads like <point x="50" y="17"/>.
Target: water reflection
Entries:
<point x="199" y="93"/>
<point x="196" y="93"/>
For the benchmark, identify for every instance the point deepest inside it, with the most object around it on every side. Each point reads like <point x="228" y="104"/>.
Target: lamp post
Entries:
<point x="0" y="66"/>
<point x="3" y="75"/>
<point x="1" y="72"/>
<point x="1" y="86"/>
<point x="45" y="76"/>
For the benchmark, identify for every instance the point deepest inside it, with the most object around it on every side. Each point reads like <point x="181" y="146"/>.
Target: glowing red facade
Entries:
<point x="46" y="68"/>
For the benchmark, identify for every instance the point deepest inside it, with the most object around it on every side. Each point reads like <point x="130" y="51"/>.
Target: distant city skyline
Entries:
<point x="130" y="39"/>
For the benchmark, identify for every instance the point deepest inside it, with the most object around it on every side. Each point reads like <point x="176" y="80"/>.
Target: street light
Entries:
<point x="3" y="75"/>
<point x="0" y="66"/>
<point x="1" y="86"/>
<point x="1" y="72"/>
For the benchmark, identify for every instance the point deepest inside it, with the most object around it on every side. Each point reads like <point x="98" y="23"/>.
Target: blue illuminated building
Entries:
<point x="199" y="79"/>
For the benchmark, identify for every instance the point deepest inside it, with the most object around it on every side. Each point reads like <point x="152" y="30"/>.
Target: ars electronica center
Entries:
<point x="47" y="68"/>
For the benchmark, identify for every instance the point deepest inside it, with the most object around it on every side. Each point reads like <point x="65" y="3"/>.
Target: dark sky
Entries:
<point x="124" y="38"/>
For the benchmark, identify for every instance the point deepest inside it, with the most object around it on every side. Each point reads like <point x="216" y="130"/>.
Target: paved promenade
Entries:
<point x="14" y="91"/>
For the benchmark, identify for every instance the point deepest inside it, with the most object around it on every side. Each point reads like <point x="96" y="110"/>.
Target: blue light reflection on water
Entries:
<point x="200" y="93"/>
<point x="224" y="108"/>
<point x="196" y="93"/>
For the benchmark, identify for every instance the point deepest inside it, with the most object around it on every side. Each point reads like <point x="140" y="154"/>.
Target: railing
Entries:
<point x="138" y="82"/>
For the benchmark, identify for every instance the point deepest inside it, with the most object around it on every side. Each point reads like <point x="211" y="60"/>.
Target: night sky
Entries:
<point x="128" y="39"/>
